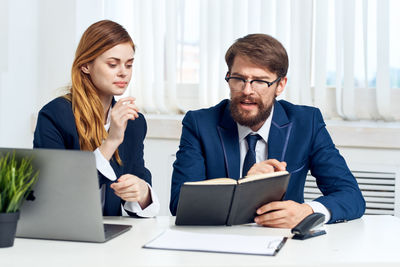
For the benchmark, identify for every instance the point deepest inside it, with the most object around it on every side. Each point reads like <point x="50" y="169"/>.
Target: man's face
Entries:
<point x="251" y="107"/>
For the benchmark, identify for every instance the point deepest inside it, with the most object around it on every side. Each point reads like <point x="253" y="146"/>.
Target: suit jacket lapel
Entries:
<point x="228" y="133"/>
<point x="279" y="133"/>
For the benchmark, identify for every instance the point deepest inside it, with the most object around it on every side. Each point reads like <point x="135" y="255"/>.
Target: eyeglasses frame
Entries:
<point x="227" y="78"/>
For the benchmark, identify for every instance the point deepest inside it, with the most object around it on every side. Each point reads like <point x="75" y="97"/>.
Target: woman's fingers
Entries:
<point x="130" y="188"/>
<point x="124" y="110"/>
<point x="119" y="112"/>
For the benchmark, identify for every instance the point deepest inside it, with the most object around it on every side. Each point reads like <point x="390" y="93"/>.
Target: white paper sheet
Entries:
<point x="224" y="243"/>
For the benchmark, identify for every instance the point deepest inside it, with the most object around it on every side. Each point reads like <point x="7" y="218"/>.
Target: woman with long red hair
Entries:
<point x="89" y="118"/>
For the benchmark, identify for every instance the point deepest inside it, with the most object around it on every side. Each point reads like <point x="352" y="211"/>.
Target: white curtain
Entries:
<point x="318" y="34"/>
<point x="301" y="17"/>
<point x="361" y="48"/>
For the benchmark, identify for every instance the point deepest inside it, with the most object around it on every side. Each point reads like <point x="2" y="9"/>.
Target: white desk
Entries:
<point x="369" y="241"/>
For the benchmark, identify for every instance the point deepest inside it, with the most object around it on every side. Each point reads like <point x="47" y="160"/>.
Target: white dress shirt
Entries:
<point x="104" y="167"/>
<point x="262" y="154"/>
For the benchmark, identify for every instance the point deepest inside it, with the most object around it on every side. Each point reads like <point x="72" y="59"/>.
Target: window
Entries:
<point x="344" y="55"/>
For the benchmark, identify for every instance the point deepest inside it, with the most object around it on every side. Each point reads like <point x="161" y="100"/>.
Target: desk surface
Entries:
<point x="369" y="241"/>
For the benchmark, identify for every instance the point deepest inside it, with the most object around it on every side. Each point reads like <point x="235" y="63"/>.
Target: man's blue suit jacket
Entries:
<point x="56" y="129"/>
<point x="209" y="148"/>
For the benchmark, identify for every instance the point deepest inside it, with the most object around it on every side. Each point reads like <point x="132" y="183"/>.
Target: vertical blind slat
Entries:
<point x="339" y="55"/>
<point x="213" y="53"/>
<point x="293" y="93"/>
<point x="253" y="19"/>
<point x="283" y="15"/>
<point x="365" y="40"/>
<point x="158" y="37"/>
<point x="301" y="42"/>
<point x="382" y="68"/>
<point x="170" y="55"/>
<point x="203" y="51"/>
<point x="240" y="21"/>
<point x="267" y="17"/>
<point x="147" y="63"/>
<point x="320" y="62"/>
<point x="226" y="33"/>
<point x="372" y="107"/>
<point x="348" y="59"/>
<point x="87" y="12"/>
<point x="136" y="81"/>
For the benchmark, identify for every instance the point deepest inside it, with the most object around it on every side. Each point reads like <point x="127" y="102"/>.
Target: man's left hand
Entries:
<point x="282" y="214"/>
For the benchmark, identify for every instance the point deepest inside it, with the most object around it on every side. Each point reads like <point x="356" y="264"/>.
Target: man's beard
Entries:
<point x="240" y="116"/>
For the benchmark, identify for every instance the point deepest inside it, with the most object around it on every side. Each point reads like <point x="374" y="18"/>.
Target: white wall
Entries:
<point x="56" y="47"/>
<point x="159" y="155"/>
<point x="36" y="64"/>
<point x="19" y="77"/>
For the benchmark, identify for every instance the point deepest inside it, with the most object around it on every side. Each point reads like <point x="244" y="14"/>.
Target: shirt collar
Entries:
<point x="263" y="131"/>
<point x="108" y="121"/>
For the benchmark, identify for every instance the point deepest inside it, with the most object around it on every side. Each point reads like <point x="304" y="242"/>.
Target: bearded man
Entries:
<point x="252" y="133"/>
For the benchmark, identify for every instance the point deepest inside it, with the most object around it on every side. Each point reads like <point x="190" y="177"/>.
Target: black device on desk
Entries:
<point x="306" y="228"/>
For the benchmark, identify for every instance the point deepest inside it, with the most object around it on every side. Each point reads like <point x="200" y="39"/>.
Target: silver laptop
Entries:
<point x="65" y="203"/>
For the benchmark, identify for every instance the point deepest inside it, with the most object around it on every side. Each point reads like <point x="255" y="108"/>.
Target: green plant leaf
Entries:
<point x="17" y="178"/>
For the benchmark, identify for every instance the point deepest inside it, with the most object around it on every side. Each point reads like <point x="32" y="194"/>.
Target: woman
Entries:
<point x="88" y="118"/>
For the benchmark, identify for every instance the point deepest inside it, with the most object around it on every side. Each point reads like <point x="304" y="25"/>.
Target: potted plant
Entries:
<point x="16" y="180"/>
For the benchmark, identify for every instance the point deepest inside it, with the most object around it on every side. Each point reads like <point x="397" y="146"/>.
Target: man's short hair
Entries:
<point x="261" y="49"/>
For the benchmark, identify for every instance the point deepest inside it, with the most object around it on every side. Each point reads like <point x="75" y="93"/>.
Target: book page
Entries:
<point x="223" y="243"/>
<point x="213" y="181"/>
<point x="261" y="176"/>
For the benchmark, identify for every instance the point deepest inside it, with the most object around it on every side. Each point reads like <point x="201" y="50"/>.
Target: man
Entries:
<point x="221" y="141"/>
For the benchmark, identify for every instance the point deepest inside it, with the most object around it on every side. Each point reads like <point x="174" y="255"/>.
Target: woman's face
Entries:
<point x="112" y="70"/>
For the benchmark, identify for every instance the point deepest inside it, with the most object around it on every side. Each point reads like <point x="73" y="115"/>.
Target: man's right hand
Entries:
<point x="266" y="166"/>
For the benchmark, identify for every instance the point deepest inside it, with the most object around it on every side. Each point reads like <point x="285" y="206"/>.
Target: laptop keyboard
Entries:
<point x="113" y="230"/>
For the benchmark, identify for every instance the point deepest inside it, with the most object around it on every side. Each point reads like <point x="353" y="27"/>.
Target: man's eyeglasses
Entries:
<point x="238" y="83"/>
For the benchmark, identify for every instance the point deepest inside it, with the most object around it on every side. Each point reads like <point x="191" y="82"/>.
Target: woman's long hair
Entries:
<point x="86" y="104"/>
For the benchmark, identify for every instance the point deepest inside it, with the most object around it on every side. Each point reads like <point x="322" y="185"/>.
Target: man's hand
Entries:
<point x="282" y="214"/>
<point x="266" y="166"/>
<point x="131" y="188"/>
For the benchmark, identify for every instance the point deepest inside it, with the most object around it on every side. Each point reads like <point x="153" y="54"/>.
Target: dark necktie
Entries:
<point x="250" y="158"/>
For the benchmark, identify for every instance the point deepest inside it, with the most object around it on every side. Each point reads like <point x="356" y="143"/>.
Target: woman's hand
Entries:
<point x="124" y="110"/>
<point x="131" y="188"/>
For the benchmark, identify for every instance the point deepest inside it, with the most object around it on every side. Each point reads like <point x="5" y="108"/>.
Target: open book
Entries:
<point x="228" y="201"/>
